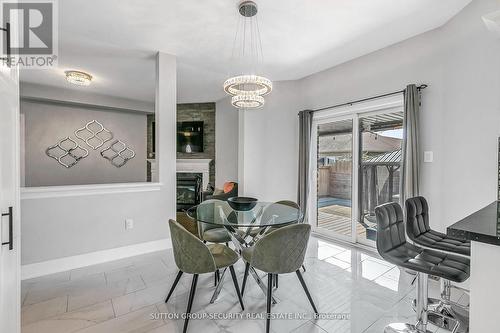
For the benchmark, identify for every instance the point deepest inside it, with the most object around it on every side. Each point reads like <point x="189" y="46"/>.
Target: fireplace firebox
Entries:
<point x="189" y="187"/>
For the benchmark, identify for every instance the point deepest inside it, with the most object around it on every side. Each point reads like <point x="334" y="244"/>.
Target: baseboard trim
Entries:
<point x="63" y="264"/>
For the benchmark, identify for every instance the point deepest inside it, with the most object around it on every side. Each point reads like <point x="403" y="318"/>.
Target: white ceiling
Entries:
<point x="115" y="40"/>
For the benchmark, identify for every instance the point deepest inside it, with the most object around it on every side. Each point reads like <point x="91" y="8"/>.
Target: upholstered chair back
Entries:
<point x="278" y="208"/>
<point x="283" y="250"/>
<point x="417" y="217"/>
<point x="209" y="211"/>
<point x="288" y="203"/>
<point x="390" y="228"/>
<point x="190" y="254"/>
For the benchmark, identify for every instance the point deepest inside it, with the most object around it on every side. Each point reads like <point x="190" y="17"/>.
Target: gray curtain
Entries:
<point x="411" y="149"/>
<point x="305" y="125"/>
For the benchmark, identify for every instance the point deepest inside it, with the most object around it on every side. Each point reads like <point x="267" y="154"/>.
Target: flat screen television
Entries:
<point x="190" y="137"/>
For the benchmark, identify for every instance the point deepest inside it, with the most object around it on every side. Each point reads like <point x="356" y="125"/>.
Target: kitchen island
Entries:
<point x="482" y="228"/>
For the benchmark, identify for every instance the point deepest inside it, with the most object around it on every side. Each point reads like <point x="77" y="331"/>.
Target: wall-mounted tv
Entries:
<point x="190" y="137"/>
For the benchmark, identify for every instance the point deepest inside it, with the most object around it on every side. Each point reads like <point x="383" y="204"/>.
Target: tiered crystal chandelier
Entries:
<point x="247" y="90"/>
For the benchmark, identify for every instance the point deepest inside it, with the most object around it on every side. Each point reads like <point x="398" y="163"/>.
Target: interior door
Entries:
<point x="10" y="295"/>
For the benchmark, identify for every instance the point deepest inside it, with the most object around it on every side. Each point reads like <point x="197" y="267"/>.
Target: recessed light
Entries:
<point x="79" y="78"/>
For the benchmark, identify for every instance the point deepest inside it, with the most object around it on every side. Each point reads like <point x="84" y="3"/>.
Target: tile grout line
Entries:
<point x="113" y="307"/>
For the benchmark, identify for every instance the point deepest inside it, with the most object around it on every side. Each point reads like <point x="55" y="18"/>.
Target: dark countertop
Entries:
<point x="482" y="226"/>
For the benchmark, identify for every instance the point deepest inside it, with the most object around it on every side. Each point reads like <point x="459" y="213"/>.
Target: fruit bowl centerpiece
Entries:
<point x="242" y="203"/>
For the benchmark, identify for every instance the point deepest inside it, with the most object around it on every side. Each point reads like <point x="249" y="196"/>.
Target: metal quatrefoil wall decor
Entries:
<point x="67" y="152"/>
<point x="94" y="134"/>
<point x="118" y="153"/>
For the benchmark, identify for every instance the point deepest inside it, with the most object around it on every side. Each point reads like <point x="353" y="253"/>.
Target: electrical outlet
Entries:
<point x="129" y="224"/>
<point x="428" y="156"/>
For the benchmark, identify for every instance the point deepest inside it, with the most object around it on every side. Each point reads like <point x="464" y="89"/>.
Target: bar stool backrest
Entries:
<point x="417" y="217"/>
<point x="390" y="229"/>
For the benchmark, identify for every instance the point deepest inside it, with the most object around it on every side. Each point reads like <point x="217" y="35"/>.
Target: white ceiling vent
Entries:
<point x="492" y="21"/>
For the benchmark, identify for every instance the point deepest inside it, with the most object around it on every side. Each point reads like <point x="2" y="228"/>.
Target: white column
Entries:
<point x="166" y="116"/>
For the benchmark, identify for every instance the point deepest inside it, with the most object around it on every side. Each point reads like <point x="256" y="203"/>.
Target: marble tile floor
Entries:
<point x="362" y="290"/>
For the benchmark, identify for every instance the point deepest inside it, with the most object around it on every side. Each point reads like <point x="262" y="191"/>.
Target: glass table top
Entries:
<point x="264" y="214"/>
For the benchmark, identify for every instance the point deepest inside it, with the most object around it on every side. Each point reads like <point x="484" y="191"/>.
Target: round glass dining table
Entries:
<point x="263" y="214"/>
<point x="245" y="227"/>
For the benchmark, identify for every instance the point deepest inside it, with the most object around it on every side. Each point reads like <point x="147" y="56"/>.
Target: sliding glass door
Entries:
<point x="356" y="163"/>
<point x="334" y="177"/>
<point x="380" y="143"/>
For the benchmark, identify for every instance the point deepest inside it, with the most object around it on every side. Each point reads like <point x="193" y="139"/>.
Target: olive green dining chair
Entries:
<point x="192" y="256"/>
<point x="210" y="232"/>
<point x="279" y="252"/>
<point x="267" y="214"/>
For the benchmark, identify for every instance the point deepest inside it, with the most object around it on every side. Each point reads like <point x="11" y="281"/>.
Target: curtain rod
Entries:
<point x="420" y="87"/>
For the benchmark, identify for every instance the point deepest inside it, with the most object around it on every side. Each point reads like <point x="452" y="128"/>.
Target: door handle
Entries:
<point x="7" y="39"/>
<point x="11" y="235"/>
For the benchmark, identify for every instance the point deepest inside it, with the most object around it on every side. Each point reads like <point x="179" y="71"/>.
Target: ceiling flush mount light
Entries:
<point x="79" y="78"/>
<point x="247" y="89"/>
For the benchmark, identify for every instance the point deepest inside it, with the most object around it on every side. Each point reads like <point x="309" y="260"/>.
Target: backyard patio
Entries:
<point x="335" y="215"/>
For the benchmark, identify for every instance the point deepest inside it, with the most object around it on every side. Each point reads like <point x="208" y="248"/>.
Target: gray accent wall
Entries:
<point x="47" y="123"/>
<point x="63" y="226"/>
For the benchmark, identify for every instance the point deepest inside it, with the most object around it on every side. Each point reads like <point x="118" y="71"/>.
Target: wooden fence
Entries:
<point x="335" y="180"/>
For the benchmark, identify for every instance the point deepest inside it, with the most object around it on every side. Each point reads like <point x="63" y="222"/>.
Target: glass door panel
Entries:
<point x="380" y="144"/>
<point x="335" y="178"/>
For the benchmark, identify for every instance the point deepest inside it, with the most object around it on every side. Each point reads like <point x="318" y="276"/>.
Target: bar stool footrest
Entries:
<point x="403" y="328"/>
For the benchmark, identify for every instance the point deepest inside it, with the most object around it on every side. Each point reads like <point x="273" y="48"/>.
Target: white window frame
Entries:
<point x="389" y="104"/>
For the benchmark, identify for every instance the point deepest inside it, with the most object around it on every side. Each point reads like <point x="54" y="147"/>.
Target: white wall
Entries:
<point x="269" y="144"/>
<point x="460" y="113"/>
<point x="65" y="226"/>
<point x="226" y="142"/>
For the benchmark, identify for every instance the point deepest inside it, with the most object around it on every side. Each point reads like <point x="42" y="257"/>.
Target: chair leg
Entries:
<point x="190" y="301"/>
<point x="245" y="276"/>
<point x="303" y="268"/>
<point x="269" y="300"/>
<point x="216" y="277"/>
<point x="235" y="281"/>
<point x="177" y="278"/>
<point x="276" y="281"/>
<point x="303" y="283"/>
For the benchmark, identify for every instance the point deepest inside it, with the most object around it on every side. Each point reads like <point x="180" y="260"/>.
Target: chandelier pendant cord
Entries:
<point x="247" y="90"/>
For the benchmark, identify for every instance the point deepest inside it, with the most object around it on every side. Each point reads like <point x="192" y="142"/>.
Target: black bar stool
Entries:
<point x="419" y="231"/>
<point x="393" y="247"/>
